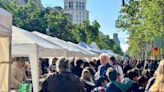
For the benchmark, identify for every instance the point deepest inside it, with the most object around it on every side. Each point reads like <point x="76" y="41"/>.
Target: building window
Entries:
<point x="66" y="5"/>
<point x="70" y="5"/>
<point x="83" y="5"/>
<point x="77" y="5"/>
<point x="26" y="1"/>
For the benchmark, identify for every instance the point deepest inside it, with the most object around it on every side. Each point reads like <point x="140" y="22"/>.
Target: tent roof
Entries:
<point x="84" y="45"/>
<point x="5" y="23"/>
<point x="20" y="36"/>
<point x="89" y="52"/>
<point x="94" y="45"/>
<point x="58" y="42"/>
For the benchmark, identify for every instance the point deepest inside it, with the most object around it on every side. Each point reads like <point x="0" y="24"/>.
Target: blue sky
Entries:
<point x="104" y="11"/>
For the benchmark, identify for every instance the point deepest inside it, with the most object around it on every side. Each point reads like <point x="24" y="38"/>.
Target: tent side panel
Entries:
<point x="4" y="64"/>
<point x="31" y="51"/>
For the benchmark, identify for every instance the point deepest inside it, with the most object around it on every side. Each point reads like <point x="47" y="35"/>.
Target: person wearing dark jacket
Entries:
<point x="113" y="85"/>
<point x="126" y="67"/>
<point x="101" y="84"/>
<point x="62" y="80"/>
<point x="142" y="81"/>
<point x="77" y="70"/>
<point x="133" y="76"/>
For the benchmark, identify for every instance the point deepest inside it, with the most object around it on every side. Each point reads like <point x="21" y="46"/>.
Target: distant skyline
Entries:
<point x="104" y="11"/>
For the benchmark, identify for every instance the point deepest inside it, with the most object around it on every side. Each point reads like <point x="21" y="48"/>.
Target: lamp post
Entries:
<point x="123" y="2"/>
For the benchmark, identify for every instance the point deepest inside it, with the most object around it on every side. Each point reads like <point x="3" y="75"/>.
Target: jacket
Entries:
<point x="62" y="82"/>
<point x="111" y="87"/>
<point x="77" y="71"/>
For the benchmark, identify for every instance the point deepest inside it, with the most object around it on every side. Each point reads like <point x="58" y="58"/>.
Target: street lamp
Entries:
<point x="123" y="2"/>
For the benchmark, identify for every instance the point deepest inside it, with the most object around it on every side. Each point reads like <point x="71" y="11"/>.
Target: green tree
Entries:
<point x="143" y="20"/>
<point x="58" y="24"/>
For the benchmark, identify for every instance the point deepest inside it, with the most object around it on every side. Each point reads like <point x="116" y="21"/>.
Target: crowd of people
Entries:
<point x="105" y="74"/>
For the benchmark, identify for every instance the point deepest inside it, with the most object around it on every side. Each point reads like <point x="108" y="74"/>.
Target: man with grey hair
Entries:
<point x="62" y="80"/>
<point x="104" y="61"/>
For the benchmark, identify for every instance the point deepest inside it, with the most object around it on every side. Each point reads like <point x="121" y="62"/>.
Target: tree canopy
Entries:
<point x="58" y="24"/>
<point x="144" y="21"/>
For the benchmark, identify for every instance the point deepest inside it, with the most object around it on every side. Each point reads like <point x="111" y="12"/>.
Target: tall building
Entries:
<point x="36" y="2"/>
<point x="77" y="10"/>
<point x="115" y="39"/>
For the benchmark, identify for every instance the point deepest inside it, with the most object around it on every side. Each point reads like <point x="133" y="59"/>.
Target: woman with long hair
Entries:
<point x="158" y="85"/>
<point x="86" y="78"/>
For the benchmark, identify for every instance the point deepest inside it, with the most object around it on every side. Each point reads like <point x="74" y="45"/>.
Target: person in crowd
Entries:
<point x="126" y="67"/>
<point x="93" y="66"/>
<point x="72" y="63"/>
<point x="150" y="83"/>
<point x="97" y="65"/>
<point x="63" y="80"/>
<point x="18" y="73"/>
<point x="118" y="68"/>
<point x="86" y="64"/>
<point x="91" y="72"/>
<point x="133" y="76"/>
<point x="137" y="71"/>
<point x="146" y="64"/>
<point x="146" y="73"/>
<point x="90" y="68"/>
<point x="77" y="70"/>
<point x="152" y="67"/>
<point x="133" y="63"/>
<point x="101" y="84"/>
<point x="104" y="60"/>
<point x="86" y="78"/>
<point x="142" y="82"/>
<point x="140" y="66"/>
<point x="113" y="85"/>
<point x="44" y="66"/>
<point x="158" y="85"/>
<point x="53" y="65"/>
<point x="28" y="69"/>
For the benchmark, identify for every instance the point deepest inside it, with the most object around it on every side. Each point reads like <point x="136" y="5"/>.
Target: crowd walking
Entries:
<point x="105" y="74"/>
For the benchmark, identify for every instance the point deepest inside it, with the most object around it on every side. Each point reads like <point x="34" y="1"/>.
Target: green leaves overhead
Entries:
<point x="58" y="24"/>
<point x="143" y="20"/>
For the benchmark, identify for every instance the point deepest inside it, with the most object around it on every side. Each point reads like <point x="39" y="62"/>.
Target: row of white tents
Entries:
<point x="35" y="45"/>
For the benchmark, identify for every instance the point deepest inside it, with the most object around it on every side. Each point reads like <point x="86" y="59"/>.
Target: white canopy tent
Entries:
<point x="95" y="46"/>
<point x="25" y="43"/>
<point x="5" y="44"/>
<point x="89" y="53"/>
<point x="88" y="47"/>
<point x="72" y="51"/>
